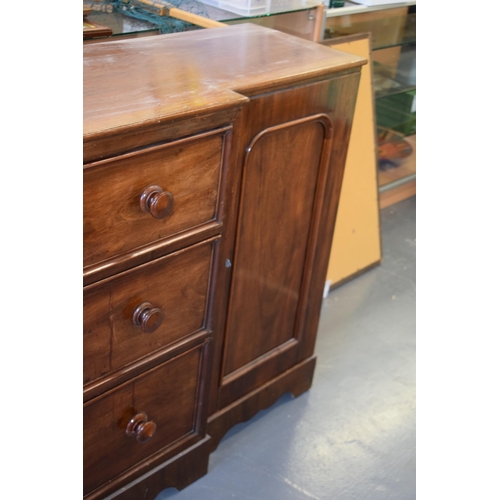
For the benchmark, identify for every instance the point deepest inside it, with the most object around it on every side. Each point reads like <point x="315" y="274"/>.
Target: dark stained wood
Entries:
<point x="280" y="177"/>
<point x="99" y="148"/>
<point x="296" y="381"/>
<point x="344" y="100"/>
<point x="95" y="30"/>
<point x="212" y="173"/>
<point x="108" y="450"/>
<point x="140" y="427"/>
<point x="178" y="472"/>
<point x="157" y="202"/>
<point x="128" y="260"/>
<point x="116" y="377"/>
<point x="113" y="221"/>
<point x="177" y="284"/>
<point x="147" y="317"/>
<point x="271" y="280"/>
<point x="186" y="467"/>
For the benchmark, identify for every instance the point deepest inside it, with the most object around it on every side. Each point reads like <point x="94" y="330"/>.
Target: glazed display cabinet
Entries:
<point x="393" y="37"/>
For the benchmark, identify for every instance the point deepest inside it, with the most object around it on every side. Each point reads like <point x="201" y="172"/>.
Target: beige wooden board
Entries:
<point x="356" y="242"/>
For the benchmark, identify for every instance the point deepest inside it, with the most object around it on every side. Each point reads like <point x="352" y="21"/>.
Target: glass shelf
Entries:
<point x="394" y="85"/>
<point x="397" y="112"/>
<point x="401" y="90"/>
<point x="122" y="24"/>
<point x="394" y="70"/>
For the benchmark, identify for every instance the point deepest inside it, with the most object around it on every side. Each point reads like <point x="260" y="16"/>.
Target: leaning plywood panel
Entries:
<point x="356" y="244"/>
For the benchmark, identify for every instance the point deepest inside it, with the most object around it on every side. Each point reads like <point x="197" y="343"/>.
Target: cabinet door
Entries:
<point x="294" y="151"/>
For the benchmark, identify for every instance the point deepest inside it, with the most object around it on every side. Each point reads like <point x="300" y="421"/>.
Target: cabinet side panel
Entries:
<point x="344" y="100"/>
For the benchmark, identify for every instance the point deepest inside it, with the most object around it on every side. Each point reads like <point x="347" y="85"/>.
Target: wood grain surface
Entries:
<point x="108" y="450"/>
<point x="281" y="176"/>
<point x="166" y="77"/>
<point x="113" y="221"/>
<point x="178" y="284"/>
<point x="224" y="262"/>
<point x="289" y="194"/>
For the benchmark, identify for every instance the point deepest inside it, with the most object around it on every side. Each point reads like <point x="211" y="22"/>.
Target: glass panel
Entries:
<point x="394" y="70"/>
<point x="298" y="23"/>
<point x="122" y="24"/>
<point x="397" y="112"/>
<point x="389" y="28"/>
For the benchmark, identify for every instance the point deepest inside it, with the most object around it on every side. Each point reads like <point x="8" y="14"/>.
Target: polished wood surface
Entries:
<point x="177" y="284"/>
<point x="275" y="213"/>
<point x="141" y="428"/>
<point x="109" y="448"/>
<point x="295" y="381"/>
<point x="157" y="202"/>
<point x="147" y="317"/>
<point x="117" y="215"/>
<point x="212" y="174"/>
<point x="127" y="139"/>
<point x="291" y="178"/>
<point x="181" y="74"/>
<point x="178" y="472"/>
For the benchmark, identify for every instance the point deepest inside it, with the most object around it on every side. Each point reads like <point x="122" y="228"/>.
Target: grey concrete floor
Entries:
<point x="352" y="435"/>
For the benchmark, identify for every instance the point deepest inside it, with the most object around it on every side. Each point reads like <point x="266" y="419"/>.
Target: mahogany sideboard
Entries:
<point x="213" y="162"/>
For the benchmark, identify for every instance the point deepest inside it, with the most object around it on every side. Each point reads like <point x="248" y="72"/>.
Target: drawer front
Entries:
<point x="145" y="309"/>
<point x="167" y="395"/>
<point x="140" y="198"/>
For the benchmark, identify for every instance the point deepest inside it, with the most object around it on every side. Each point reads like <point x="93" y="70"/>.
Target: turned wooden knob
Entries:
<point x="157" y="202"/>
<point x="147" y="317"/>
<point x="141" y="428"/>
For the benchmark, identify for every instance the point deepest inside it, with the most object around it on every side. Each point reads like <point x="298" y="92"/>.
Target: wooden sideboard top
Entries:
<point x="154" y="80"/>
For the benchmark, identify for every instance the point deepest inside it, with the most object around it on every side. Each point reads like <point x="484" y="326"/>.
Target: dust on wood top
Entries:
<point x="152" y="80"/>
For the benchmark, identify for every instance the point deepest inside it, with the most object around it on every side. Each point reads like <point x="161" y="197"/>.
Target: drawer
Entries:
<point x="150" y="195"/>
<point x="118" y="425"/>
<point x="145" y="309"/>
